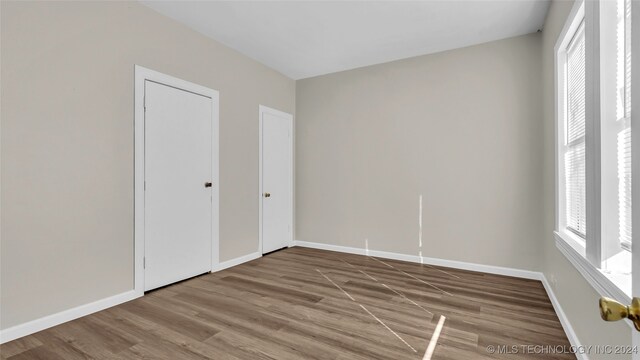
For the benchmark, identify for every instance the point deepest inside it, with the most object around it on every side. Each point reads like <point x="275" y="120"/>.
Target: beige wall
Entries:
<point x="578" y="299"/>
<point x="460" y="128"/>
<point x="67" y="144"/>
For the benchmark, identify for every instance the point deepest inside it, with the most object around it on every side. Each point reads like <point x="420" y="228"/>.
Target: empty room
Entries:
<point x="327" y="180"/>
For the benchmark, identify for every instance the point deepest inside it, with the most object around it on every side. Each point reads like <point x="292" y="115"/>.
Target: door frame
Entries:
<point x="141" y="75"/>
<point x="267" y="110"/>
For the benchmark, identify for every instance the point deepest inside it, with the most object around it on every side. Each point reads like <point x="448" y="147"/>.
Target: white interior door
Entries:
<point x="635" y="162"/>
<point x="178" y="203"/>
<point x="276" y="203"/>
<point x="635" y="335"/>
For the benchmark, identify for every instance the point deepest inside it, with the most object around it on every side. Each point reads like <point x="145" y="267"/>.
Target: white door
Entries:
<point x="635" y="163"/>
<point x="178" y="163"/>
<point x="276" y="203"/>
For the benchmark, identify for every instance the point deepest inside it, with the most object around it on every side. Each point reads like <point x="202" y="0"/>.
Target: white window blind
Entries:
<point x="624" y="186"/>
<point x="623" y="112"/>
<point x="575" y="135"/>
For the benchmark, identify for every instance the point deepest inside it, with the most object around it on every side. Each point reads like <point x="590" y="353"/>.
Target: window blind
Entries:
<point x="575" y="186"/>
<point x="623" y="62"/>
<point x="624" y="186"/>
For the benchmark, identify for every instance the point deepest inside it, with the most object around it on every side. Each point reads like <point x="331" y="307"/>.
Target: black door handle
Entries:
<point x="208" y="184"/>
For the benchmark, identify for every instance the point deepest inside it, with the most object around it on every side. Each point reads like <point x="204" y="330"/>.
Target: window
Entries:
<point x="574" y="146"/>
<point x="571" y="84"/>
<point x="593" y="119"/>
<point x="622" y="120"/>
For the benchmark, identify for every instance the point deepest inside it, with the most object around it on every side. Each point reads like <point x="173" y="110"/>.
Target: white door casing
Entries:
<point x="276" y="179"/>
<point x="176" y="218"/>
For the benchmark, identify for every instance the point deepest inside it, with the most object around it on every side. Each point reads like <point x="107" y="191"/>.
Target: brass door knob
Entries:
<point x="267" y="195"/>
<point x="612" y="310"/>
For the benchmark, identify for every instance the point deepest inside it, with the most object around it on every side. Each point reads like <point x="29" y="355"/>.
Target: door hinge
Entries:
<point x="145" y="186"/>
<point x="144" y="103"/>
<point x="144" y="262"/>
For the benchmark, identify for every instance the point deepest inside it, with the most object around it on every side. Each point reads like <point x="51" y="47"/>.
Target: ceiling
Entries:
<point x="308" y="38"/>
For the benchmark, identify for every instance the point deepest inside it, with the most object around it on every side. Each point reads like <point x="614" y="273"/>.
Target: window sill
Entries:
<point x="606" y="284"/>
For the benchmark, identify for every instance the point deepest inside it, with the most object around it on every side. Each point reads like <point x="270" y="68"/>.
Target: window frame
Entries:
<point x="584" y="254"/>
<point x="576" y="18"/>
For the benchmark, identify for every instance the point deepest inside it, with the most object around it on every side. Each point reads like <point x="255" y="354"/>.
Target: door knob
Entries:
<point x="267" y="195"/>
<point x="612" y="310"/>
<point x="208" y="184"/>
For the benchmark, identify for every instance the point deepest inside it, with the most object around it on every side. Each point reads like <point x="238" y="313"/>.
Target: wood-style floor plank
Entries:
<point x="302" y="303"/>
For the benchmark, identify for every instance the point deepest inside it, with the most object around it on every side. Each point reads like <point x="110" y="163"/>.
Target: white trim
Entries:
<point x="570" y="26"/>
<point x="600" y="282"/>
<point x="603" y="285"/>
<point x="564" y="320"/>
<point x="572" y="240"/>
<point x="237" y="261"/>
<point x="46" y="322"/>
<point x="261" y="110"/>
<point x="141" y="75"/>
<point x="593" y="203"/>
<point x="498" y="270"/>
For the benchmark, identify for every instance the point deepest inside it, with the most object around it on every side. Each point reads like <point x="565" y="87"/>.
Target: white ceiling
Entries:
<point x="309" y="38"/>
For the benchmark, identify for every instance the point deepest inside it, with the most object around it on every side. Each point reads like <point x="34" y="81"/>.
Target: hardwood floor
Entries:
<point x="302" y="303"/>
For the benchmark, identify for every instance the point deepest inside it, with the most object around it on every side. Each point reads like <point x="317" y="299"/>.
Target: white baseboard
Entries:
<point x="237" y="261"/>
<point x="526" y="274"/>
<point x="46" y="322"/>
<point x="564" y="320"/>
